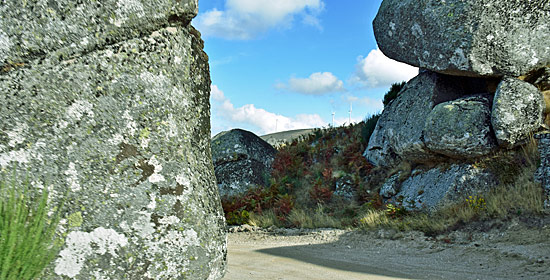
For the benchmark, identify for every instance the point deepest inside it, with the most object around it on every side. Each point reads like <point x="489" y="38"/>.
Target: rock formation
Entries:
<point x="106" y="104"/>
<point x="241" y="161"/>
<point x="542" y="174"/>
<point x="482" y="88"/>
<point x="466" y="37"/>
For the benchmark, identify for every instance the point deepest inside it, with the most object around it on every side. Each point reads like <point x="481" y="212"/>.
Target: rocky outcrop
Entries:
<point x="399" y="133"/>
<point x="460" y="128"/>
<point x="517" y="111"/>
<point x="466" y="38"/>
<point x="483" y="88"/>
<point x="434" y="188"/>
<point x="241" y="161"/>
<point x="106" y="104"/>
<point x="542" y="175"/>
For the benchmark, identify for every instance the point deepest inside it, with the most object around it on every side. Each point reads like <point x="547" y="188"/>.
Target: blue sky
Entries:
<point x="288" y="64"/>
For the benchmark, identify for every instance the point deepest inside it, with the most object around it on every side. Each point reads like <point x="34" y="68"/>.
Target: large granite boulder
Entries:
<point x="399" y="133"/>
<point x="466" y="37"/>
<point x="542" y="175"/>
<point x="242" y="161"/>
<point x="460" y="128"/>
<point x="518" y="109"/>
<point x="67" y="28"/>
<point x="438" y="187"/>
<point x="119" y="129"/>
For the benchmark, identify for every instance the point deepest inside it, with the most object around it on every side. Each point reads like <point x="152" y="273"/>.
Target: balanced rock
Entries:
<point x="438" y="187"/>
<point x="460" y="128"/>
<point x="399" y="132"/>
<point x="518" y="109"/>
<point x="117" y="125"/>
<point x="241" y="161"/>
<point x="466" y="37"/>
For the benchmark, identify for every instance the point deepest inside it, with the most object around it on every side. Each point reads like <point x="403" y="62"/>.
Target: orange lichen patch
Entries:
<point x="11" y="66"/>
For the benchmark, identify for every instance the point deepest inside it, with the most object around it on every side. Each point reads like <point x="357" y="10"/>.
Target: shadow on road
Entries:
<point x="336" y="257"/>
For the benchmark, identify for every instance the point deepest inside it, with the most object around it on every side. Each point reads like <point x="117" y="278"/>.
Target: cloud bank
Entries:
<point x="316" y="84"/>
<point x="226" y="116"/>
<point x="246" y="19"/>
<point x="377" y="70"/>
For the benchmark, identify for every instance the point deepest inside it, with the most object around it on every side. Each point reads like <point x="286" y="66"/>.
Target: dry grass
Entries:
<point x="299" y="218"/>
<point x="522" y="198"/>
<point x="319" y="219"/>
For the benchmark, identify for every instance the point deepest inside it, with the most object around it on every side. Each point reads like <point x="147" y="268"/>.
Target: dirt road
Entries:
<point x="510" y="253"/>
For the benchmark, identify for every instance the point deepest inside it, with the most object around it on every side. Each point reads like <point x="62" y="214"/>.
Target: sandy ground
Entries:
<point x="501" y="251"/>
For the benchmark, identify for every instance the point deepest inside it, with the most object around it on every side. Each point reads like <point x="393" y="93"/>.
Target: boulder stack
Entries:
<point x="242" y="161"/>
<point x="483" y="87"/>
<point x="106" y="105"/>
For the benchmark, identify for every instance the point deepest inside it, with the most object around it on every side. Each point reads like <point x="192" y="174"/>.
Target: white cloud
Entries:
<point x="263" y="121"/>
<point x="317" y="84"/>
<point x="246" y="19"/>
<point x="216" y="93"/>
<point x="377" y="70"/>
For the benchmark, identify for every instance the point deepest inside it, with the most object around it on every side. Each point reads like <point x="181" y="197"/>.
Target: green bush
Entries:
<point x="27" y="232"/>
<point x="368" y="127"/>
<point x="393" y="92"/>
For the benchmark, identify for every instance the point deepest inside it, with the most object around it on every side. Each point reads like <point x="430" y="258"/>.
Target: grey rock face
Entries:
<point x="65" y="28"/>
<point x="241" y="160"/>
<point x="517" y="111"/>
<point x="399" y="132"/>
<point x="123" y="130"/>
<point x="542" y="174"/>
<point x="390" y="187"/>
<point x="435" y="188"/>
<point x="460" y="128"/>
<point x="466" y="37"/>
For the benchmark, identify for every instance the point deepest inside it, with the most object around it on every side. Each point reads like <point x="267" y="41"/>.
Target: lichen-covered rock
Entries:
<point x="542" y="175"/>
<point x="390" y="187"/>
<point x="460" y="128"/>
<point x="466" y="37"/>
<point x="242" y="160"/>
<point x="399" y="132"/>
<point x="65" y="28"/>
<point x="123" y="131"/>
<point x="517" y="111"/>
<point x="435" y="188"/>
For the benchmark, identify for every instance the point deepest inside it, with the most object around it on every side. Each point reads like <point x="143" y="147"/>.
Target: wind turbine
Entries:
<point x="350" y="109"/>
<point x="333" y="118"/>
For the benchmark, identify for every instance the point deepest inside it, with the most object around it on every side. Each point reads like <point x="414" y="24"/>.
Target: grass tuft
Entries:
<point x="27" y="232"/>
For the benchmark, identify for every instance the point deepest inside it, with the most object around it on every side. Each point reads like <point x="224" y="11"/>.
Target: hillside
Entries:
<point x="282" y="137"/>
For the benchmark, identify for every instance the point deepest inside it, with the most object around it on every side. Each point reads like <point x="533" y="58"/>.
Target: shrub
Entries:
<point x="27" y="232"/>
<point x="393" y="92"/>
<point x="368" y="127"/>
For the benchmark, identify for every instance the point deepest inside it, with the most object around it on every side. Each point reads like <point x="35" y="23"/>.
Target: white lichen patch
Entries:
<point x="143" y="226"/>
<point x="5" y="45"/>
<point x="17" y="134"/>
<point x="173" y="244"/>
<point x="80" y="245"/>
<point x="20" y="156"/>
<point x="125" y="9"/>
<point x="156" y="176"/>
<point x="78" y="109"/>
<point x="72" y="177"/>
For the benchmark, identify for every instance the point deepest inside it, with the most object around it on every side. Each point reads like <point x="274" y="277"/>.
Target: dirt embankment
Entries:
<point x="511" y="250"/>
